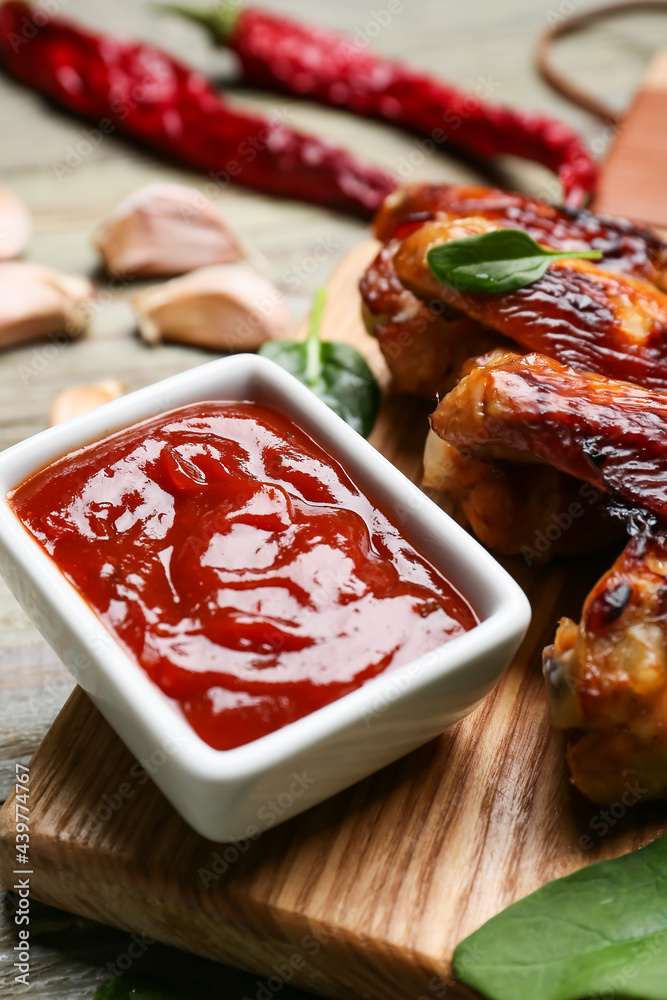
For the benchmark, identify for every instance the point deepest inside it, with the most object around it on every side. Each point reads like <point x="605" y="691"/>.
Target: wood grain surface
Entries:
<point x="633" y="182"/>
<point x="368" y="893"/>
<point x="472" y="43"/>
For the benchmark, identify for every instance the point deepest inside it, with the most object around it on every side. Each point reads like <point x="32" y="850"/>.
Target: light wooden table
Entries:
<point x="471" y="43"/>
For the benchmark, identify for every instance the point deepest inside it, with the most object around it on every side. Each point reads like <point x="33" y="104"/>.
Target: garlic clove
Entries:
<point x="14" y="225"/>
<point x="36" y="301"/>
<point x="164" y="229"/>
<point x="78" y="399"/>
<point x="229" y="307"/>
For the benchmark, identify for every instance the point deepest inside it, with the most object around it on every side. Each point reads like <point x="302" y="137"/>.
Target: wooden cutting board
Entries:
<point x="634" y="181"/>
<point x="368" y="894"/>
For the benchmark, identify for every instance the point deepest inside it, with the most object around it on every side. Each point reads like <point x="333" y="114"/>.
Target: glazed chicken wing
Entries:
<point x="626" y="249"/>
<point x="607" y="679"/>
<point x="421" y="346"/>
<point x="576" y="313"/>
<point x="539" y="446"/>
<point x="530" y="408"/>
<point x="423" y="350"/>
<point x="520" y="508"/>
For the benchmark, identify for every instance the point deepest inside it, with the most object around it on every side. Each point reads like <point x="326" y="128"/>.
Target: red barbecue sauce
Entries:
<point x="238" y="564"/>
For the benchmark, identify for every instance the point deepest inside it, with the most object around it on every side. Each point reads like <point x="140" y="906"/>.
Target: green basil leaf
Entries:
<point x="497" y="262"/>
<point x="134" y="988"/>
<point x="600" y="932"/>
<point x="335" y="372"/>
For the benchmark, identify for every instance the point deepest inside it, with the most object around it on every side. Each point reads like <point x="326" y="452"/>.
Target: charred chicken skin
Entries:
<point x="607" y="679"/>
<point x="526" y="442"/>
<point x="413" y="338"/>
<point x="626" y="249"/>
<point x="576" y="313"/>
<point x="423" y="350"/>
<point x="520" y="508"/>
<point x="530" y="408"/>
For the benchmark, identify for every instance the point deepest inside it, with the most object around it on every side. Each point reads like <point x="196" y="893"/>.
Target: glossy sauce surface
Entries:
<point x="239" y="565"/>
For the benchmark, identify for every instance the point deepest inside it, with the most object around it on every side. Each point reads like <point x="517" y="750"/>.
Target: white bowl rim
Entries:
<point x="159" y="714"/>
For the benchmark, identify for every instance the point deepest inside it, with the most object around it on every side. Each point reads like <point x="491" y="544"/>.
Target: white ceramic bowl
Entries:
<point x="233" y="794"/>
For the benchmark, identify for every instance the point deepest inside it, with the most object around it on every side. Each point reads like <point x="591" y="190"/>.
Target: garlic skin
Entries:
<point x="226" y="308"/>
<point x="165" y="229"/>
<point x="36" y="301"/>
<point x="78" y="399"/>
<point x="14" y="225"/>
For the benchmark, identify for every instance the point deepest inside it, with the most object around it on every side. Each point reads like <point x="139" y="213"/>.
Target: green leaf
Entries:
<point x="497" y="262"/>
<point x="134" y="988"/>
<point x="600" y="932"/>
<point x="335" y="372"/>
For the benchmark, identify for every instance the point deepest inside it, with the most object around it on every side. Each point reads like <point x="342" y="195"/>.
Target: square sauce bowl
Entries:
<point x="228" y="795"/>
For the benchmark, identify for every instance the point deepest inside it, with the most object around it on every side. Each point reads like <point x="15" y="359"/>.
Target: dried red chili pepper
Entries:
<point x="141" y="91"/>
<point x="280" y="54"/>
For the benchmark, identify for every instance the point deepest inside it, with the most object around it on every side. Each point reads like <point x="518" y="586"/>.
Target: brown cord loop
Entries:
<point x="558" y="80"/>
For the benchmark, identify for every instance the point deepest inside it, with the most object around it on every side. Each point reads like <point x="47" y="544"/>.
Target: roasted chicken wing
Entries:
<point x="423" y="350"/>
<point x="519" y="508"/>
<point x="576" y="313"/>
<point x="607" y="679"/>
<point x="626" y="248"/>
<point x="420" y="345"/>
<point x="540" y="447"/>
<point x="530" y="408"/>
